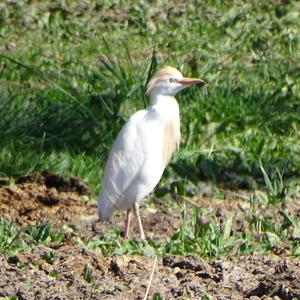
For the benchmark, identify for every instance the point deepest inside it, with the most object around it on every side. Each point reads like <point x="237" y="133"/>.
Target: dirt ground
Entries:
<point x="29" y="275"/>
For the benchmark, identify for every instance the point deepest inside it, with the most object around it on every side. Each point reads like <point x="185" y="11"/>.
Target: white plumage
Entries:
<point x="143" y="148"/>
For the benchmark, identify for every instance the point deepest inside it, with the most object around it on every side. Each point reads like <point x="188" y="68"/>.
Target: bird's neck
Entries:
<point x="168" y="110"/>
<point x="162" y="100"/>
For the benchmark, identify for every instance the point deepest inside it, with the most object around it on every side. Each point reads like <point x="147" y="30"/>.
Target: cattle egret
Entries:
<point x="143" y="148"/>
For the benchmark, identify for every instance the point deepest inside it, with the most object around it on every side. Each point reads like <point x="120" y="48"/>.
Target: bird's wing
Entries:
<point x="136" y="141"/>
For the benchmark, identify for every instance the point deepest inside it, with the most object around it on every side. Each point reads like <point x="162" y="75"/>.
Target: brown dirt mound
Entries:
<point x="33" y="202"/>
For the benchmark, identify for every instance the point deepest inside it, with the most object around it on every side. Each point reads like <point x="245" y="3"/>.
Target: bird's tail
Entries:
<point x="105" y="209"/>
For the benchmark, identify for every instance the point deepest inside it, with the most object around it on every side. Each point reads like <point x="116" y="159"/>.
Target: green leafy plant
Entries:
<point x="88" y="273"/>
<point x="9" y="236"/>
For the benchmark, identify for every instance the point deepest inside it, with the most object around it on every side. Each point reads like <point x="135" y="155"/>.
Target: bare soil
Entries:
<point x="30" y="276"/>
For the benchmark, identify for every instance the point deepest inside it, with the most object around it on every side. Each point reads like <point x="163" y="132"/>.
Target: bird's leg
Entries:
<point x="127" y="224"/>
<point x="137" y="213"/>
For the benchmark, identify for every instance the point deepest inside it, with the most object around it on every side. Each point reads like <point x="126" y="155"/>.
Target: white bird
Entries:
<point x="143" y="148"/>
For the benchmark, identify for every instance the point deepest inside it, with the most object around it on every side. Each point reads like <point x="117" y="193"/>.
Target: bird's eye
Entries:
<point x="173" y="79"/>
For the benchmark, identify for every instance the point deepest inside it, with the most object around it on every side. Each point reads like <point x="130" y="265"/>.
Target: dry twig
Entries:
<point x="151" y="277"/>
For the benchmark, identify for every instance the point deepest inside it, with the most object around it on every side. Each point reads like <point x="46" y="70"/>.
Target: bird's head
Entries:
<point x="169" y="81"/>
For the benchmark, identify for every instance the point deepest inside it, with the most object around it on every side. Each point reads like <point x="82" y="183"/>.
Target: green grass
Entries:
<point x="267" y="228"/>
<point x="13" y="239"/>
<point x="71" y="74"/>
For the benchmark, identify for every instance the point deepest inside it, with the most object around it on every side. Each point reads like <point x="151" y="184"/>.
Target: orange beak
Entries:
<point x="189" y="81"/>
